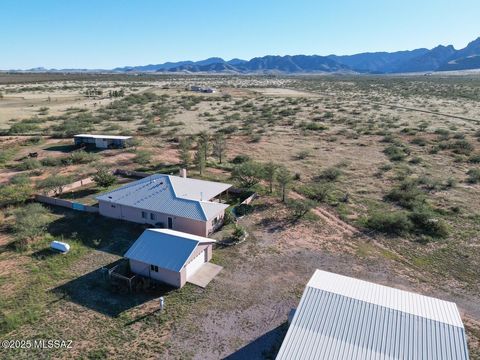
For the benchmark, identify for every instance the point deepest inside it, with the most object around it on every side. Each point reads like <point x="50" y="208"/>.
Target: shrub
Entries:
<point x="406" y="194"/>
<point x="419" y="141"/>
<point x="14" y="194"/>
<point x="142" y="157"/>
<point x="80" y="157"/>
<point x="228" y="218"/>
<point x="461" y="147"/>
<point x="473" y="176"/>
<point x="474" y="158"/>
<point x="104" y="178"/>
<point x="300" y="208"/>
<point x="425" y="223"/>
<point x="238" y="233"/>
<point x="30" y="223"/>
<point x="395" y="153"/>
<point x="302" y="155"/>
<point x="239" y="159"/>
<point x="394" y="223"/>
<point x="318" y="191"/>
<point x="243" y="209"/>
<point x="29" y="164"/>
<point x="330" y="174"/>
<point x="51" y="161"/>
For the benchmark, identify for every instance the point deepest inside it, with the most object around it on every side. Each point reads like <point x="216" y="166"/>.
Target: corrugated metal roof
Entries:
<point x="113" y="137"/>
<point x="165" y="248"/>
<point x="344" y="318"/>
<point x="195" y="189"/>
<point x="156" y="193"/>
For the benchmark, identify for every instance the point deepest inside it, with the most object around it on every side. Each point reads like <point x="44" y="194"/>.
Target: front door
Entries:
<point x="170" y="223"/>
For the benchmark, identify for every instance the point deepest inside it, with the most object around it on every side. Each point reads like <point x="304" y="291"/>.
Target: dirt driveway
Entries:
<point x="244" y="310"/>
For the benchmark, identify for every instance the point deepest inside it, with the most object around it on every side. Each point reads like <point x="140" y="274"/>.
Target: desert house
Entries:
<point x="344" y="318"/>
<point x="169" y="256"/>
<point x="102" y="141"/>
<point x="167" y="201"/>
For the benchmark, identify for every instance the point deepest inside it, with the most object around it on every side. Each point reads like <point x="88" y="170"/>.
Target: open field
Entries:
<point x="393" y="164"/>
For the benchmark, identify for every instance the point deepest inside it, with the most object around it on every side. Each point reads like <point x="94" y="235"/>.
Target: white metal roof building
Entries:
<point x="345" y="318"/>
<point x="101" y="141"/>
<point x="169" y="256"/>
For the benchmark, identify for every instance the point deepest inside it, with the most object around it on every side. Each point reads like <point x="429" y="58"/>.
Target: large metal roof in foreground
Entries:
<point x="344" y="318"/>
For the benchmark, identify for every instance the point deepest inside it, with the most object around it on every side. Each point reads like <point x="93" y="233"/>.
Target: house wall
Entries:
<point x="129" y="213"/>
<point x="173" y="278"/>
<point x="211" y="227"/>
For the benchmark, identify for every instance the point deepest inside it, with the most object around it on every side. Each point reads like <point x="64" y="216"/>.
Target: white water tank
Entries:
<point x="60" y="246"/>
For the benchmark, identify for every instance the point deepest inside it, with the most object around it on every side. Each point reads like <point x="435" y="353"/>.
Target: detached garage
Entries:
<point x="169" y="256"/>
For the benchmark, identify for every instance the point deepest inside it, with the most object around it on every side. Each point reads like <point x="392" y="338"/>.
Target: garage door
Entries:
<point x="196" y="263"/>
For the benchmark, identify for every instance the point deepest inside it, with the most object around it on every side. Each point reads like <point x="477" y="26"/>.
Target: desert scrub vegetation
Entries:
<point x="30" y="224"/>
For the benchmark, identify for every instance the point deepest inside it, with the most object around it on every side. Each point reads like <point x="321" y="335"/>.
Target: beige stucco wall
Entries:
<point x="196" y="227"/>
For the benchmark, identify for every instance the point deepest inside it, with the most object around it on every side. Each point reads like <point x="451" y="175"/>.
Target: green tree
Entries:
<point x="30" y="223"/>
<point x="200" y="161"/>
<point x="284" y="179"/>
<point x="204" y="143"/>
<point x="55" y="183"/>
<point x="219" y="146"/>
<point x="184" y="152"/>
<point x="14" y="194"/>
<point x="247" y="174"/>
<point x="300" y="208"/>
<point x="269" y="173"/>
<point x="104" y="178"/>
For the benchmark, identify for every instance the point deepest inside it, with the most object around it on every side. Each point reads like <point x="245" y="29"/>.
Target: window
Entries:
<point x="170" y="223"/>
<point x="113" y="206"/>
<point x="152" y="216"/>
<point x="144" y="215"/>
<point x="154" y="268"/>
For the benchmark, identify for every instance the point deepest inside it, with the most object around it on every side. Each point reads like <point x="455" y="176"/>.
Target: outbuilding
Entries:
<point x="340" y="317"/>
<point x="102" y="141"/>
<point x="169" y="256"/>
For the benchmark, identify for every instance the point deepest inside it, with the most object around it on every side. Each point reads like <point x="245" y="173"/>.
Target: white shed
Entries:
<point x="169" y="256"/>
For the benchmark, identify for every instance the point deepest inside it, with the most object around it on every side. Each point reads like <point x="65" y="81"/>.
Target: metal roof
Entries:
<point x="159" y="193"/>
<point x="344" y="318"/>
<point x="168" y="249"/>
<point x="113" y="137"/>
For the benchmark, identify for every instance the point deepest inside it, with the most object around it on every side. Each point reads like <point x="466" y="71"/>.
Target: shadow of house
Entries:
<point x="264" y="347"/>
<point x="61" y="148"/>
<point x="94" y="291"/>
<point x="69" y="148"/>
<point x="95" y="231"/>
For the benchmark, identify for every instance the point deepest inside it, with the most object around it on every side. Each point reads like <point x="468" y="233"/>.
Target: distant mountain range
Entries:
<point x="440" y="58"/>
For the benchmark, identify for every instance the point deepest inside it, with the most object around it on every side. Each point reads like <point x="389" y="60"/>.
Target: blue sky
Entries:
<point x="110" y="33"/>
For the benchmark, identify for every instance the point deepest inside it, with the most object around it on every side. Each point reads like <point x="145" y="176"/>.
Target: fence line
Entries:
<point x="65" y="203"/>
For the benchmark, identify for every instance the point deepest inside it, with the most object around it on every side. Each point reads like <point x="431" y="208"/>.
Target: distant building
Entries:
<point x="169" y="256"/>
<point x="344" y="318"/>
<point x="202" y="89"/>
<point x="102" y="141"/>
<point x="167" y="201"/>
